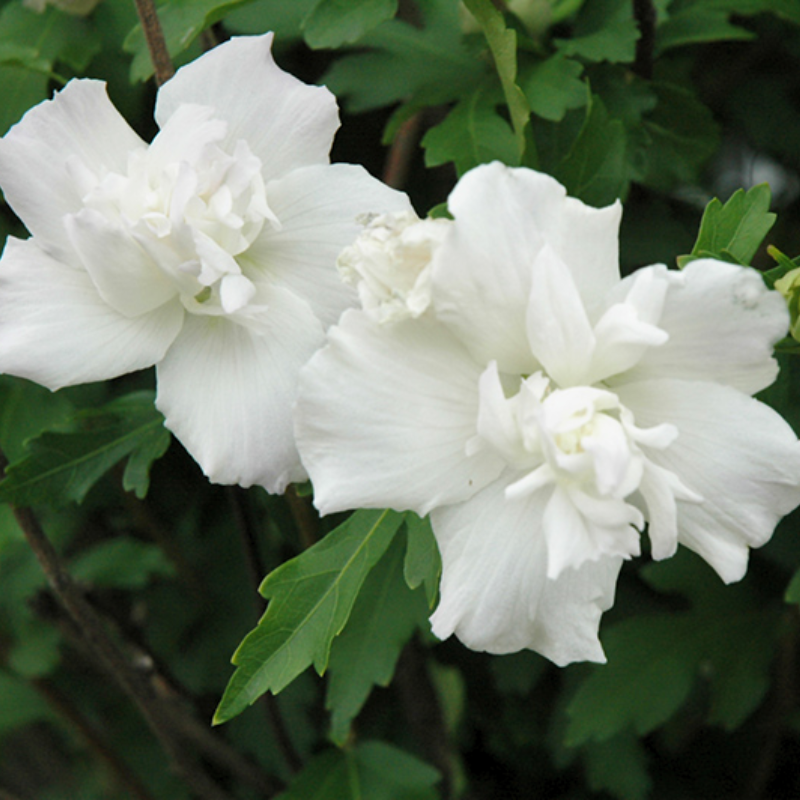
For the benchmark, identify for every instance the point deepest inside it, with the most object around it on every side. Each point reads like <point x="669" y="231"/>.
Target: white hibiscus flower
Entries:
<point x="210" y="253"/>
<point x="543" y="410"/>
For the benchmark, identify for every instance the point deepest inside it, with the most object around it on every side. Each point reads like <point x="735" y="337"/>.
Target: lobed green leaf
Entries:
<point x="423" y="564"/>
<point x="311" y="598"/>
<point x="365" y="654"/>
<point x="472" y="133"/>
<point x="735" y="230"/>
<point x="503" y="44"/>
<point x="333" y="23"/>
<point x="63" y="467"/>
<point x="372" y="770"/>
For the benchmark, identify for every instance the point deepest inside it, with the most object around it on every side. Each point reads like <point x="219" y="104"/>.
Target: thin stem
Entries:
<point x="256" y="571"/>
<point x="424" y="713"/>
<point x="104" y="649"/>
<point x="173" y="699"/>
<point x="645" y="14"/>
<point x="154" y="35"/>
<point x="304" y="517"/>
<point x="94" y="738"/>
<point x="398" y="161"/>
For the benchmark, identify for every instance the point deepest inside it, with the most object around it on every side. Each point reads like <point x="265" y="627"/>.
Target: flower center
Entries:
<point x="193" y="207"/>
<point x="582" y="447"/>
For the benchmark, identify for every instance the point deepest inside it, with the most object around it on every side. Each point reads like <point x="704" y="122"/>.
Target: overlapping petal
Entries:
<point x="384" y="415"/>
<point x="226" y="389"/>
<point x="319" y="209"/>
<point x="722" y="323"/>
<point x="55" y="328"/>
<point x="482" y="272"/>
<point x="738" y="454"/>
<point x="49" y="160"/>
<point x="495" y="594"/>
<point x="287" y="123"/>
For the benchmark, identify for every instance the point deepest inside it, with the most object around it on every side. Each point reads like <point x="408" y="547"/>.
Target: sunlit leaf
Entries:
<point x="311" y="598"/>
<point x="735" y="230"/>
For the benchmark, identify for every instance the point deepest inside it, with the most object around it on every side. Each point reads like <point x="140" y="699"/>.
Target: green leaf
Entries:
<point x="605" y="31"/>
<point x="792" y="594"/>
<point x="311" y="598"/>
<point x="594" y="169"/>
<point x="683" y="135"/>
<point x="503" y="44"/>
<point x="182" y="22"/>
<point x="27" y="409"/>
<point x="618" y="766"/>
<point x="693" y="26"/>
<point x="423" y="563"/>
<point x="333" y="23"/>
<point x="654" y="659"/>
<point x="472" y="133"/>
<point x="123" y="563"/>
<point x="62" y="467"/>
<point x="370" y="771"/>
<point x="20" y="704"/>
<point x="384" y="616"/>
<point x="734" y="231"/>
<point x="553" y="87"/>
<point x="31" y="45"/>
<point x="401" y="62"/>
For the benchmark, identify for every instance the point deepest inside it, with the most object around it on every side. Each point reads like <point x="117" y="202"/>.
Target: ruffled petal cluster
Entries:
<point x="209" y="252"/>
<point x="545" y="412"/>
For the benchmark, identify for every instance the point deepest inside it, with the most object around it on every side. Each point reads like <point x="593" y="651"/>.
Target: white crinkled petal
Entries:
<point x="285" y="122"/>
<point x="384" y="413"/>
<point x="558" y="328"/>
<point x="495" y="594"/>
<point x="318" y="208"/>
<point x="80" y="124"/>
<point x="482" y="273"/>
<point x="722" y="323"/>
<point x="738" y="454"/>
<point x="227" y="389"/>
<point x="124" y="274"/>
<point x="55" y="328"/>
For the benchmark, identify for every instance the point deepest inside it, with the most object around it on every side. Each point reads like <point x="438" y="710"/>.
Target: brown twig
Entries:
<point x="645" y="14"/>
<point x="401" y="152"/>
<point x="154" y="35"/>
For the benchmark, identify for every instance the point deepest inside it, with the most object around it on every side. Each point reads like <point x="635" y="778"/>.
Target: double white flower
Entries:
<point x="209" y="253"/>
<point x="542" y="410"/>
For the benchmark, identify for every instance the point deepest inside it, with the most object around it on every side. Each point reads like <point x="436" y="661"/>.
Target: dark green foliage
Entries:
<point x="698" y="698"/>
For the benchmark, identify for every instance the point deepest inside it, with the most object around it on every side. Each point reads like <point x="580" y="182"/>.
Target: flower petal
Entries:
<point x="384" y="414"/>
<point x="495" y="595"/>
<point x="318" y="207"/>
<point x="558" y="328"/>
<point x="55" y="328"/>
<point x="79" y="129"/>
<point x="124" y="274"/>
<point x="722" y="323"/>
<point x="738" y="454"/>
<point x="482" y="273"/>
<point x="286" y="123"/>
<point x="227" y="389"/>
